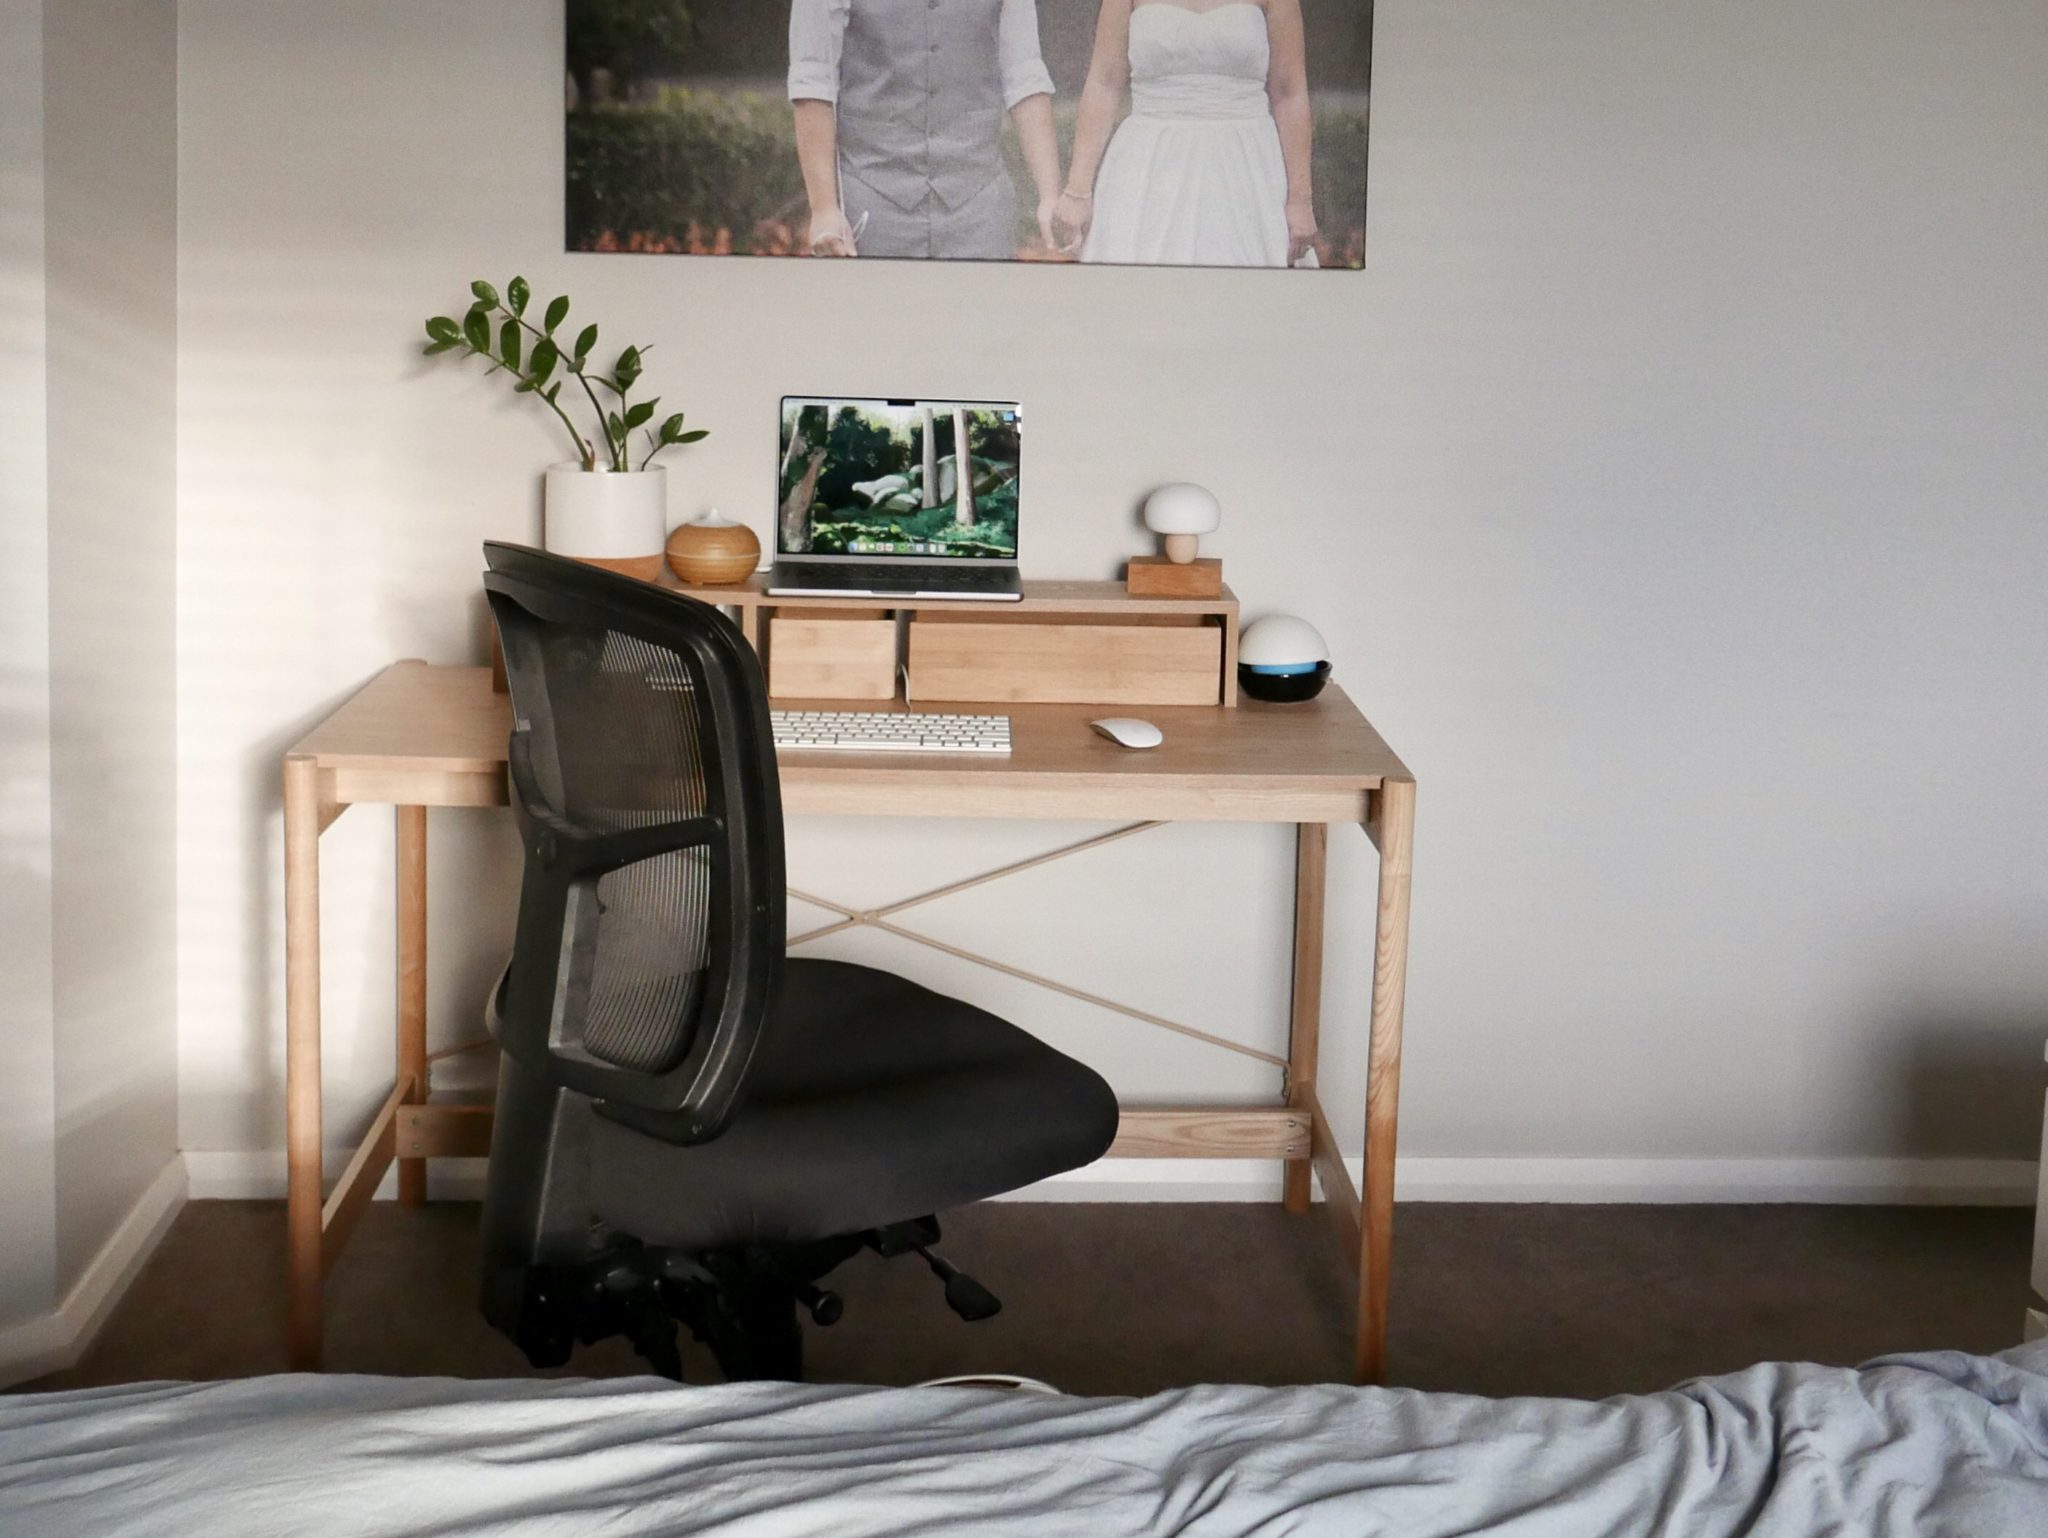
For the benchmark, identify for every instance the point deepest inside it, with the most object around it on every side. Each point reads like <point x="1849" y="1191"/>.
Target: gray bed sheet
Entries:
<point x="1925" y="1445"/>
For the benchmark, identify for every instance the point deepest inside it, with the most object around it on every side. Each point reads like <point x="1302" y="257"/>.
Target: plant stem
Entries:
<point x="619" y="453"/>
<point x="585" y="449"/>
<point x="622" y="449"/>
<point x="594" y="406"/>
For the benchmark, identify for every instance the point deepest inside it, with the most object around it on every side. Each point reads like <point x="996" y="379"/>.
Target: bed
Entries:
<point x="1924" y="1445"/>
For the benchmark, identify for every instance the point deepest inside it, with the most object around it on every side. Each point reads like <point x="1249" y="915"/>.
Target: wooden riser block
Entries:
<point x="1134" y="665"/>
<point x="813" y="658"/>
<point x="1154" y="576"/>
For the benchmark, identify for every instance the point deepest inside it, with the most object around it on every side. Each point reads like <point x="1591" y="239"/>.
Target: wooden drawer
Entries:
<point x="832" y="655"/>
<point x="1020" y="659"/>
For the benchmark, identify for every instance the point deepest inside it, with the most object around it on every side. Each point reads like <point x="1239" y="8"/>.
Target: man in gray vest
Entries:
<point x="899" y="118"/>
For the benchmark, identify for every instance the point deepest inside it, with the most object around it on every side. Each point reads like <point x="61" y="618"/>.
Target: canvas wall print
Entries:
<point x="1180" y="133"/>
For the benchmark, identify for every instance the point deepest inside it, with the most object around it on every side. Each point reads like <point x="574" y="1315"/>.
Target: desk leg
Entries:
<point x="303" y="1303"/>
<point x="1394" y="827"/>
<point x="1311" y="848"/>
<point x="412" y="982"/>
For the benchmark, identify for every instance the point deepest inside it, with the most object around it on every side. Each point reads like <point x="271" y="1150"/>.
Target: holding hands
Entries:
<point x="1303" y="235"/>
<point x="1066" y="229"/>
<point x="831" y="234"/>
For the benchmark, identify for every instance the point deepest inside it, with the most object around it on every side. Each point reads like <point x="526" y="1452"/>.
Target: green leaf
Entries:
<point x="545" y="356"/>
<point x="615" y="428"/>
<point x="476" y="329"/>
<point x="508" y="343"/>
<point x="641" y="415"/>
<point x="525" y="387"/>
<point x="438" y="347"/>
<point x="584" y="342"/>
<point x="695" y="437"/>
<point x="517" y="292"/>
<point x="442" y="329"/>
<point x="485" y="294"/>
<point x="553" y="391"/>
<point x="558" y="311"/>
<point x="672" y="429"/>
<point x="628" y="368"/>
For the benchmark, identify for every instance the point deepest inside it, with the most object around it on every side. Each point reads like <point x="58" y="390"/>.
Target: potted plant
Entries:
<point x="601" y="506"/>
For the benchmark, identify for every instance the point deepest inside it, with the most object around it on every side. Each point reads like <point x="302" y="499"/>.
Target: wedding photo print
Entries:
<point x="1176" y="133"/>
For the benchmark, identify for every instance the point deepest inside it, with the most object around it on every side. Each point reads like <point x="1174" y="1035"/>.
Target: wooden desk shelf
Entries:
<point x="1039" y="598"/>
<point x="1139" y="673"/>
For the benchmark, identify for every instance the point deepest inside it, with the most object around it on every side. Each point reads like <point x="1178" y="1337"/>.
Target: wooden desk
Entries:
<point x="420" y="736"/>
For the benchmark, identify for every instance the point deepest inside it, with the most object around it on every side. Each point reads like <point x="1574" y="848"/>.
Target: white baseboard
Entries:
<point x="260" y="1177"/>
<point x="1901" y="1182"/>
<point x="1160" y="1180"/>
<point x="1839" y="1182"/>
<point x="59" y="1338"/>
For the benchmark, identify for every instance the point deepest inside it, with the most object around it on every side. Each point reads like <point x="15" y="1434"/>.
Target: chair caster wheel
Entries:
<point x="969" y="1299"/>
<point x="825" y="1307"/>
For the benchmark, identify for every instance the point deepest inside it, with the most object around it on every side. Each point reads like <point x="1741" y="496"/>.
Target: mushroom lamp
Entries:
<point x="1183" y="514"/>
<point x="1282" y="660"/>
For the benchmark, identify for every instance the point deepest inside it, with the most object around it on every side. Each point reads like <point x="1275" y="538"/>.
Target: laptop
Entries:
<point x="898" y="499"/>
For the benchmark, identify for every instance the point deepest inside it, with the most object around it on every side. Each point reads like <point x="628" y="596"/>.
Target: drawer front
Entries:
<point x="1161" y="664"/>
<point x="831" y="659"/>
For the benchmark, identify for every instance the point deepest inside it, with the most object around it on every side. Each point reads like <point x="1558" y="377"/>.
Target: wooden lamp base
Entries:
<point x="1154" y="576"/>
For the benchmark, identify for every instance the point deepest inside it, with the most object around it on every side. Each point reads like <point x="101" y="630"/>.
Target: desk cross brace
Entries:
<point x="878" y="919"/>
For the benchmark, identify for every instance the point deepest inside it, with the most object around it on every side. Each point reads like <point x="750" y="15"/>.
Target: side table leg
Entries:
<point x="1394" y="825"/>
<point x="303" y="1280"/>
<point x="1311" y="863"/>
<point x="412" y="982"/>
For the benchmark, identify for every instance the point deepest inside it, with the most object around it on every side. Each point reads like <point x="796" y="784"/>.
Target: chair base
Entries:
<point x="739" y="1304"/>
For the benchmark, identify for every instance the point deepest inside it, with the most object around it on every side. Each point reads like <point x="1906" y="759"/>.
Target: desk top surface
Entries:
<point x="1310" y="762"/>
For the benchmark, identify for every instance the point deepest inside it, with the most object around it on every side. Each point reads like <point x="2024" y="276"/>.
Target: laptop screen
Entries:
<point x="875" y="479"/>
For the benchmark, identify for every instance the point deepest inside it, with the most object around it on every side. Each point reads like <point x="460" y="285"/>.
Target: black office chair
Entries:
<point x="690" y="1126"/>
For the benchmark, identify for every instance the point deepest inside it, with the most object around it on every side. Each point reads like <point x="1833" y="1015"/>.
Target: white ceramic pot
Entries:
<point x="617" y="520"/>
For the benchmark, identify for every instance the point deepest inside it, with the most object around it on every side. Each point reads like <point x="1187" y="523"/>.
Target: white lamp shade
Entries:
<point x="1183" y="509"/>
<point x="1281" y="640"/>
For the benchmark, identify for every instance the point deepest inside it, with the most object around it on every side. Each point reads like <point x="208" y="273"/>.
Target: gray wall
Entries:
<point x="111" y="111"/>
<point x="1669" y="491"/>
<point x="27" y="1125"/>
<point x="88" y="249"/>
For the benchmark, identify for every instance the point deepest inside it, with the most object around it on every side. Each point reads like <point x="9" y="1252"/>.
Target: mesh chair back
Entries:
<point x="643" y="777"/>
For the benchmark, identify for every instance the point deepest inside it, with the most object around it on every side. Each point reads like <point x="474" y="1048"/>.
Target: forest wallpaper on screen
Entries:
<point x="887" y="480"/>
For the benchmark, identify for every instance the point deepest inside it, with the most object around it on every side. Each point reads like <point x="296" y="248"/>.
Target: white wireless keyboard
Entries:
<point x="877" y="731"/>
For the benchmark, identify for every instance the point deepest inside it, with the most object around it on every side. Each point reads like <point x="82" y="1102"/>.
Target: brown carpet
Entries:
<point x="1572" y="1300"/>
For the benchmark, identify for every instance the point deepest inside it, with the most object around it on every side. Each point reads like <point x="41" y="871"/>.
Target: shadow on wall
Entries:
<point x="257" y="828"/>
<point x="1970" y="1082"/>
<point x="479" y="844"/>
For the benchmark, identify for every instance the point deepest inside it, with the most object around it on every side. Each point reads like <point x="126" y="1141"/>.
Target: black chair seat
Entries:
<point x="872" y="1100"/>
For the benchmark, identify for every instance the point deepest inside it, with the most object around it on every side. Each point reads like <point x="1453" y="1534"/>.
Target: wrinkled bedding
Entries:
<point x="1926" y="1445"/>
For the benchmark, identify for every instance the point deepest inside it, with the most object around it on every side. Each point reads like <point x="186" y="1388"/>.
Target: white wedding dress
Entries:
<point x="1194" y="176"/>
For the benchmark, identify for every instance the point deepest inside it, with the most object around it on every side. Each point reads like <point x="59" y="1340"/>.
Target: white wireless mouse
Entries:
<point x="1129" y="733"/>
